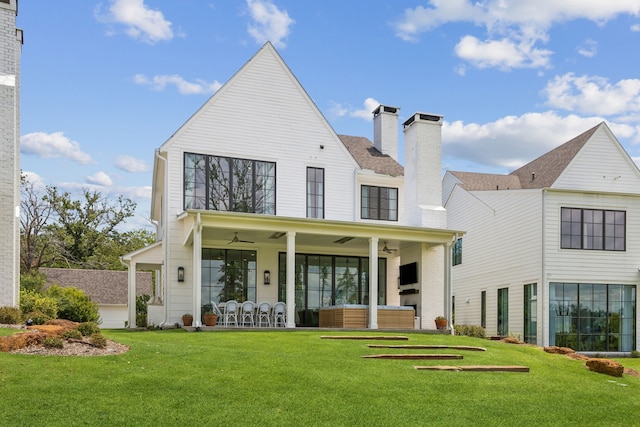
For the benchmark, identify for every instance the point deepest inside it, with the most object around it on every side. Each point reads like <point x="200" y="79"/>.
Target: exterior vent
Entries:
<point x="344" y="240"/>
<point x="429" y="117"/>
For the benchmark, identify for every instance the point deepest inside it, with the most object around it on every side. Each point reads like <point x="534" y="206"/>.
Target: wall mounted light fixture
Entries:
<point x="180" y="274"/>
<point x="267" y="277"/>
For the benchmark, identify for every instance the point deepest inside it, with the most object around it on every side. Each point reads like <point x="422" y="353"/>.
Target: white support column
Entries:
<point x="197" y="273"/>
<point x="373" y="283"/>
<point x="291" y="279"/>
<point x="131" y="297"/>
<point x="448" y="300"/>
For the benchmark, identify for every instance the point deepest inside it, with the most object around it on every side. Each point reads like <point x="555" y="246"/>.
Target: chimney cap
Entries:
<point x="385" y="109"/>
<point x="423" y="117"/>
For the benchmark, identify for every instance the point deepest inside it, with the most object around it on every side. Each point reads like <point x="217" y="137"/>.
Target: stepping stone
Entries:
<point x="413" y="356"/>
<point x="429" y="347"/>
<point x="363" y="337"/>
<point x="476" y="368"/>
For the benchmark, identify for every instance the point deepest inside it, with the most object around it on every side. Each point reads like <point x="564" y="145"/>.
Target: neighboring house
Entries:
<point x="11" y="42"/>
<point x="107" y="288"/>
<point x="256" y="198"/>
<point x="551" y="251"/>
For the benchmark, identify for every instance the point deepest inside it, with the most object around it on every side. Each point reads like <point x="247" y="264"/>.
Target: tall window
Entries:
<point x="593" y="229"/>
<point x="592" y="317"/>
<point x="503" y="312"/>
<point x="379" y="203"/>
<point x="228" y="275"/>
<point x="315" y="193"/>
<point x="229" y="184"/>
<point x="456" y="252"/>
<point x="483" y="309"/>
<point x="325" y="280"/>
<point x="530" y="313"/>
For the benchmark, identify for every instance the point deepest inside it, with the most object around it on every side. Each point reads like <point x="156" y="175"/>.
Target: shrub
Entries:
<point x="38" y="317"/>
<point x="53" y="342"/>
<point x="72" y="334"/>
<point x="10" y="315"/>
<point x="97" y="340"/>
<point x="32" y="282"/>
<point x="73" y="304"/>
<point x="474" y="331"/>
<point x="635" y="354"/>
<point x="88" y="328"/>
<point x="31" y="301"/>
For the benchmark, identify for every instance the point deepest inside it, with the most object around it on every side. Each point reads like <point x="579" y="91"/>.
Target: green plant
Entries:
<point x="88" y="328"/>
<point x="38" y="317"/>
<point x="53" y="342"/>
<point x="10" y="315"/>
<point x="31" y="301"/>
<point x="33" y="282"/>
<point x="72" y="334"/>
<point x="474" y="331"/>
<point x="97" y="340"/>
<point x="441" y="318"/>
<point x="74" y="304"/>
<point x="635" y="354"/>
<point x="142" y="302"/>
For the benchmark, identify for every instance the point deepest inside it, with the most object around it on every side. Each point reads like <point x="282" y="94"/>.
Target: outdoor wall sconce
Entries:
<point x="180" y="274"/>
<point x="267" y="277"/>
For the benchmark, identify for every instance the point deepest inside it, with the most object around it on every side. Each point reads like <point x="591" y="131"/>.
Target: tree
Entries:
<point x="35" y="213"/>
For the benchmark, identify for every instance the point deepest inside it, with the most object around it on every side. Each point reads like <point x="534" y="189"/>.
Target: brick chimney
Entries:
<point x="422" y="170"/>
<point x="385" y="130"/>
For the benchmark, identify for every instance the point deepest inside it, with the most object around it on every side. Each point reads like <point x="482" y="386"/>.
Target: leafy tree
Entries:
<point x="85" y="226"/>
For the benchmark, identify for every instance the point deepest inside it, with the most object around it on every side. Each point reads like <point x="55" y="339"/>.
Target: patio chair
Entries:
<point x="263" y="314"/>
<point x="231" y="309"/>
<point x="217" y="312"/>
<point x="247" y="312"/>
<point x="279" y="314"/>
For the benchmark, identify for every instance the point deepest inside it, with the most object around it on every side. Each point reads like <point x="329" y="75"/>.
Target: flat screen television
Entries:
<point x="409" y="273"/>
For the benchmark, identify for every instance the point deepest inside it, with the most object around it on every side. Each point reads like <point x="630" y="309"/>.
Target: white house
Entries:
<point x="551" y="251"/>
<point x="256" y="198"/>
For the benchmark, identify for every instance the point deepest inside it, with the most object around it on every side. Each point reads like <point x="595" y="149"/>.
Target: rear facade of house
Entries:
<point x="551" y="252"/>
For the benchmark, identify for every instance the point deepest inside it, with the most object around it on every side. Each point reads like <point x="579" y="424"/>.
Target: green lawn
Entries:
<point x="175" y="378"/>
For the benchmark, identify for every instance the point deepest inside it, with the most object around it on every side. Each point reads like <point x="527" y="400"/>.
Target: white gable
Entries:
<point x="263" y="113"/>
<point x="602" y="165"/>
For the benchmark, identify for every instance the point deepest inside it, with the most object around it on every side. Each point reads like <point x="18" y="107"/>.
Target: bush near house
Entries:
<point x="10" y="315"/>
<point x="474" y="331"/>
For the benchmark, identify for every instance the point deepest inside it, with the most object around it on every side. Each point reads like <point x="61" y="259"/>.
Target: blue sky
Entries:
<point x="106" y="82"/>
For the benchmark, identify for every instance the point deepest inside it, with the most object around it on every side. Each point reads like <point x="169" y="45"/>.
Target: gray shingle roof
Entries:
<point x="102" y="286"/>
<point x="540" y="173"/>
<point x="368" y="157"/>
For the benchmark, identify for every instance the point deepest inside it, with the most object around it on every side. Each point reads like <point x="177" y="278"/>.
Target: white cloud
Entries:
<point x="101" y="179"/>
<point x="270" y="23"/>
<point x="160" y="82"/>
<point x="36" y="180"/>
<point x="140" y="21"/>
<point x="504" y="54"/>
<point x="366" y="113"/>
<point x="635" y="27"/>
<point x="513" y="141"/>
<point x="53" y="145"/>
<point x="589" y="48"/>
<point x="593" y="95"/>
<point x="511" y="26"/>
<point x="131" y="164"/>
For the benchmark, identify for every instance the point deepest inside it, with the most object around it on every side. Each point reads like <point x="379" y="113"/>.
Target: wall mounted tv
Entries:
<point x="409" y="273"/>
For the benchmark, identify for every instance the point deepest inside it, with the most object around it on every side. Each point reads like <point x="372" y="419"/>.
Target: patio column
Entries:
<point x="197" y="272"/>
<point x="291" y="279"/>
<point x="131" y="297"/>
<point x="373" y="283"/>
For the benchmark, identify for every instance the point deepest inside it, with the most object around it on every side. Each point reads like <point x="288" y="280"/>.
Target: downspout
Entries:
<point x="544" y="303"/>
<point x="165" y="245"/>
<point x="447" y="279"/>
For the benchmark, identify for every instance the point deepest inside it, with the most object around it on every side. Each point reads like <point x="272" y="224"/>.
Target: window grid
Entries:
<point x="593" y="229"/>
<point x="380" y="203"/>
<point x="456" y="253"/>
<point x="315" y="192"/>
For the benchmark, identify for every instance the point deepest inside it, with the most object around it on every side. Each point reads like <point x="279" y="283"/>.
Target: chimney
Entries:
<point x="385" y="130"/>
<point x="422" y="171"/>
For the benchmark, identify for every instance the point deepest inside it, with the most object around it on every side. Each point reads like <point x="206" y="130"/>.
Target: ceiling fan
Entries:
<point x="386" y="249"/>
<point x="236" y="240"/>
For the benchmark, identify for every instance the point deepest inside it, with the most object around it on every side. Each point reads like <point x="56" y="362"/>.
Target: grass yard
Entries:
<point x="278" y="378"/>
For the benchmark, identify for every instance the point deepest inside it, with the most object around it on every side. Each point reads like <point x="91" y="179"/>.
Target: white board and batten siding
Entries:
<point x="273" y="120"/>
<point x="501" y="249"/>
